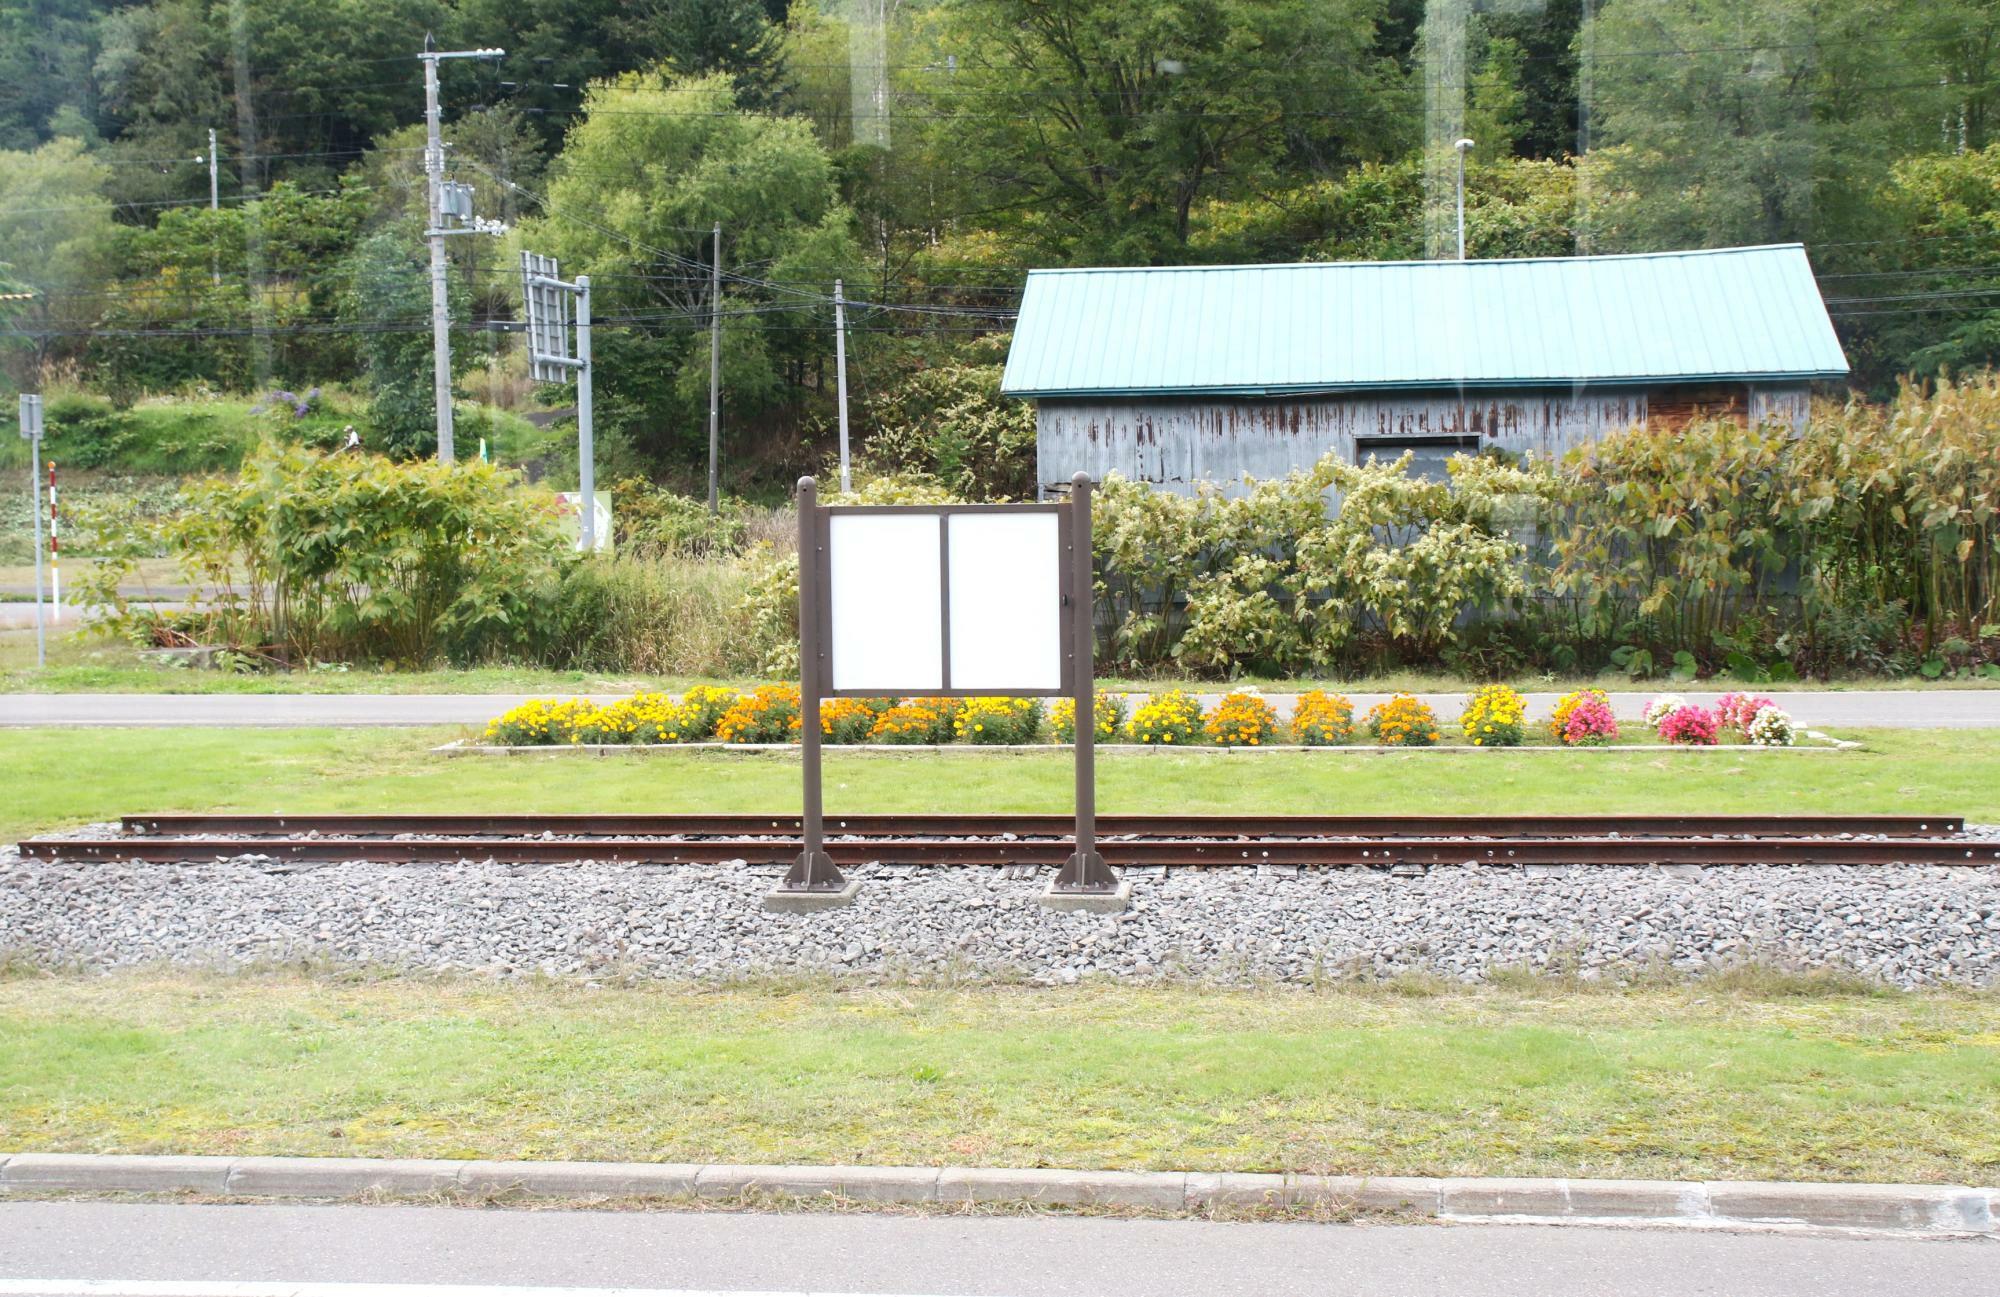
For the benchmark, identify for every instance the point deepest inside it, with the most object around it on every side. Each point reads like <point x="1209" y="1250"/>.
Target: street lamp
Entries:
<point x="1461" y="146"/>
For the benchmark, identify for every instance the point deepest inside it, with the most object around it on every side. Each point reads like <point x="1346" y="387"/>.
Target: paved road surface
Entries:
<point x="706" y="1252"/>
<point x="1820" y="709"/>
<point x="21" y="616"/>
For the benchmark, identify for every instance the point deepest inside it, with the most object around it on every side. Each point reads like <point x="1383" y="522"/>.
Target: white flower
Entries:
<point x="1771" y="727"/>
<point x="1662" y="707"/>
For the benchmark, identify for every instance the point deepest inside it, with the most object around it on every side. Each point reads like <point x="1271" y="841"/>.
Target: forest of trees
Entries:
<point x="929" y="152"/>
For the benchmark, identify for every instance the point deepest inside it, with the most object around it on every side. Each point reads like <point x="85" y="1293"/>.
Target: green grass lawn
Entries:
<point x="56" y="777"/>
<point x="1719" y="1080"/>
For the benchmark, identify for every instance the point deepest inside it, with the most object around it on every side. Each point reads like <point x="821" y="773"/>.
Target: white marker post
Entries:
<point x="55" y="549"/>
<point x="31" y="432"/>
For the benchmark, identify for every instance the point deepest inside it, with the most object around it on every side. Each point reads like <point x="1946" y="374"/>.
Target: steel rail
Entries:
<point x="989" y="825"/>
<point x="1322" y="851"/>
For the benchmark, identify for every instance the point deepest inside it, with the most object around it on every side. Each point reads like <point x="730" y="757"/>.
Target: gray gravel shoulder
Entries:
<point x="1905" y="926"/>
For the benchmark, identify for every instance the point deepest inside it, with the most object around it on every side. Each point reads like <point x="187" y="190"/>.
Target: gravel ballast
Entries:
<point x="1906" y="926"/>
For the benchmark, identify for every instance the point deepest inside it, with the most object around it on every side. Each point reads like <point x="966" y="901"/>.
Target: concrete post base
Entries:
<point x="781" y="901"/>
<point x="1088" y="902"/>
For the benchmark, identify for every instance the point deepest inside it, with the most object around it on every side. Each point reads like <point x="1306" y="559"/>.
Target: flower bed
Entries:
<point x="1494" y="717"/>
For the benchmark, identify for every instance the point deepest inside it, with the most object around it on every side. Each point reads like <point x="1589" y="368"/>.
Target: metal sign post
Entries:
<point x="551" y="359"/>
<point x="879" y="615"/>
<point x="31" y="432"/>
<point x="813" y="871"/>
<point x="1086" y="871"/>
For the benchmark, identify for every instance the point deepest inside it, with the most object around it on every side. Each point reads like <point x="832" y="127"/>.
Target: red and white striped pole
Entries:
<point x="55" y="546"/>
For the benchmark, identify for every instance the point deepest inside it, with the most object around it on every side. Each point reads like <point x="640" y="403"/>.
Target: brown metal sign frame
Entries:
<point x="813" y="871"/>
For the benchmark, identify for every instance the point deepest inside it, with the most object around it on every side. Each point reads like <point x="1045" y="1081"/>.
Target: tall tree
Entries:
<point x="46" y="47"/>
<point x="652" y="164"/>
<point x="1752" y="121"/>
<point x="696" y="37"/>
<point x="57" y="233"/>
<point x="1097" y="126"/>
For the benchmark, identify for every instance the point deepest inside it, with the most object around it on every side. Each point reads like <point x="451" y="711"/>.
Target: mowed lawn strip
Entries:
<point x="57" y="777"/>
<point x="1706" y="1081"/>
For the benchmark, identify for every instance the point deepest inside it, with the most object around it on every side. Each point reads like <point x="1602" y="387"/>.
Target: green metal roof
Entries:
<point x="1724" y="313"/>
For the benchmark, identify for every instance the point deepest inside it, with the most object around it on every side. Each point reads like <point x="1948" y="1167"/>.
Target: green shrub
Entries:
<point x="653" y="520"/>
<point x="658" y="616"/>
<point x="950" y="423"/>
<point x="354" y="558"/>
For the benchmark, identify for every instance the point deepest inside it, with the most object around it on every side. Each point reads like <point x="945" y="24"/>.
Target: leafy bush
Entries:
<point x="1405" y="721"/>
<point x="653" y="520"/>
<point x="1495" y="716"/>
<point x="1108" y="709"/>
<point x="1321" y="719"/>
<point x="1173" y="717"/>
<point x="305" y="556"/>
<point x="656" y="616"/>
<point x="949" y="423"/>
<point x="1241" y="720"/>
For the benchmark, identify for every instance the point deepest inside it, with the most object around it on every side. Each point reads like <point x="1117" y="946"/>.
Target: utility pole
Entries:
<point x="840" y="368"/>
<point x="214" y="200"/>
<point x="715" y="374"/>
<point x="434" y="232"/>
<point x="586" y="433"/>
<point x="1461" y="146"/>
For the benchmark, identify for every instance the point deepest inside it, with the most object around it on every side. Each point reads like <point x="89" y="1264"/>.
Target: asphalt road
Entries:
<point x="1818" y="709"/>
<point x="413" y="1248"/>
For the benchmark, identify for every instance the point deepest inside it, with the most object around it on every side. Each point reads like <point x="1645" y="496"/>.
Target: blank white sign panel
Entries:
<point x="886" y="598"/>
<point x="1006" y="601"/>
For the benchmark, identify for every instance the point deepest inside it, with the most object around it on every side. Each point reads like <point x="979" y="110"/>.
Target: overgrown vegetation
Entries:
<point x="307" y="557"/>
<point x="1865" y="544"/>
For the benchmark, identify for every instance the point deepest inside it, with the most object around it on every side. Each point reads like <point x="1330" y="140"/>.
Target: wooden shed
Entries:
<point x="1176" y="375"/>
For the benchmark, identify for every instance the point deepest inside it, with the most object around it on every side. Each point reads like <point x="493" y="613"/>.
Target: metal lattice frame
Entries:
<point x="551" y="346"/>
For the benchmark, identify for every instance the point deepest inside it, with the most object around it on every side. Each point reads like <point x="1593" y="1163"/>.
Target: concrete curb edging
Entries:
<point x="468" y="748"/>
<point x="1929" y="1209"/>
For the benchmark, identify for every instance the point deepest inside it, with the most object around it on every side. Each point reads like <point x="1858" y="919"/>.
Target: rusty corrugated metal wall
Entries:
<point x="1175" y="443"/>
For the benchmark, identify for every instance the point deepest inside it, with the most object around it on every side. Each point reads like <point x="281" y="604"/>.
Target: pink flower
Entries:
<point x="1736" y="711"/>
<point x="1591" y="724"/>
<point x="1696" y="726"/>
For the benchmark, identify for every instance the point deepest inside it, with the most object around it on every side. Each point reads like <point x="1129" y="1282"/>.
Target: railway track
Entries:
<point x="1124" y="840"/>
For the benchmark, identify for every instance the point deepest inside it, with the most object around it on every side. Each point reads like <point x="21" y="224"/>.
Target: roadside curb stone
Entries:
<point x="126" y="1173"/>
<point x="1371" y="1193"/>
<point x="1930" y="1209"/>
<point x="1160" y="1190"/>
<point x="581" y="1179"/>
<point x="912" y="1184"/>
<point x="1206" y="1189"/>
<point x="1858" y="1206"/>
<point x="1636" y="1199"/>
<point x="338" y="1177"/>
